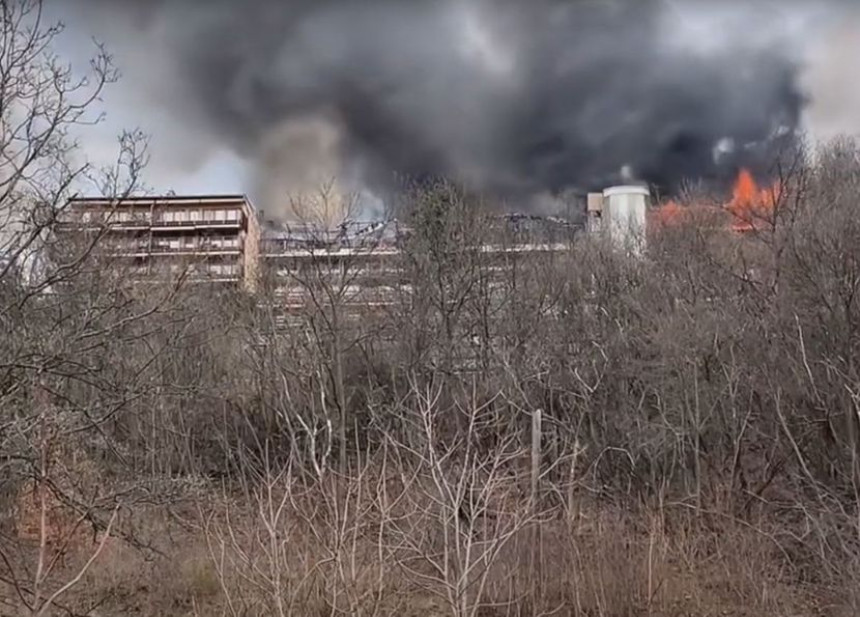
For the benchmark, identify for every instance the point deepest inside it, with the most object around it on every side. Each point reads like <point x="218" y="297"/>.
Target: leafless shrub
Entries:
<point x="513" y="432"/>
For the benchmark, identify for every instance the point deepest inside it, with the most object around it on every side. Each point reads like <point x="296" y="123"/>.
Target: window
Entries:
<point x="232" y="215"/>
<point x="224" y="269"/>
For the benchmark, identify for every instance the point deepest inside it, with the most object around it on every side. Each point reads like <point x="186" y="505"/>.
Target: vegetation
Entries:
<point x="576" y="433"/>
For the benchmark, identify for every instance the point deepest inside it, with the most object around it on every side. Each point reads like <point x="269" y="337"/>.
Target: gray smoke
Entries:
<point x="516" y="99"/>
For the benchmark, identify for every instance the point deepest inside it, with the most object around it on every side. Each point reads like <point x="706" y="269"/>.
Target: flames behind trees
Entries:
<point x="750" y="208"/>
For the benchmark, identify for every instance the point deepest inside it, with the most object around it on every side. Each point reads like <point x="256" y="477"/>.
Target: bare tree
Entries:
<point x="44" y="104"/>
<point x="466" y="504"/>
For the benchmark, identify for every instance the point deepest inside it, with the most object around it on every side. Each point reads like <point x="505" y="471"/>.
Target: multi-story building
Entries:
<point x="224" y="239"/>
<point x="204" y="238"/>
<point x="357" y="261"/>
<point x="363" y="265"/>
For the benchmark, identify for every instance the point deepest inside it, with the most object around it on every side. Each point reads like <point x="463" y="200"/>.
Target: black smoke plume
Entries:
<point x="514" y="98"/>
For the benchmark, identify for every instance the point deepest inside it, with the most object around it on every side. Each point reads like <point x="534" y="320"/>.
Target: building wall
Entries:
<point x="252" y="254"/>
<point x="221" y="238"/>
<point x="368" y="271"/>
<point x="203" y="237"/>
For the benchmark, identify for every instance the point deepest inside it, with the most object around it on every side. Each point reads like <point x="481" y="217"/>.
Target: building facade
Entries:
<point x="223" y="239"/>
<point x="212" y="239"/>
<point x="359" y="262"/>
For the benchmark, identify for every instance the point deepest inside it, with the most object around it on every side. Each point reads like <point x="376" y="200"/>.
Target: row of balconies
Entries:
<point x="363" y="294"/>
<point x="221" y="271"/>
<point x="373" y="274"/>
<point x="277" y="250"/>
<point x="196" y="217"/>
<point x="187" y="245"/>
<point x="165" y="218"/>
<point x="351" y="296"/>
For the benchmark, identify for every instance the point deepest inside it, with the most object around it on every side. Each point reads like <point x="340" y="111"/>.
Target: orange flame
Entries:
<point x="750" y="207"/>
<point x="670" y="213"/>
<point x="745" y="189"/>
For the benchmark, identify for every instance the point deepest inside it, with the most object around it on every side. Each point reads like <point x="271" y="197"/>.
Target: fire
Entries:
<point x="745" y="189"/>
<point x="670" y="213"/>
<point x="750" y="207"/>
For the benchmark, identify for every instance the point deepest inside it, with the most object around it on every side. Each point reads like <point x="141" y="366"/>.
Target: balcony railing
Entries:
<point x="182" y="246"/>
<point x="198" y="218"/>
<point x="192" y="249"/>
<point x="168" y="218"/>
<point x="230" y="271"/>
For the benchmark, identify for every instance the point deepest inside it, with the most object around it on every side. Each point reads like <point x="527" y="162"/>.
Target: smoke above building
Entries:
<point x="517" y="100"/>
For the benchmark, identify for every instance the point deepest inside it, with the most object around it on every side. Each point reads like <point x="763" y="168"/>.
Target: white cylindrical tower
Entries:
<point x="624" y="215"/>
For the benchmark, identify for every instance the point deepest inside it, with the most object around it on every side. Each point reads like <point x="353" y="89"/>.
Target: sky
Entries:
<point x="198" y="168"/>
<point x="187" y="156"/>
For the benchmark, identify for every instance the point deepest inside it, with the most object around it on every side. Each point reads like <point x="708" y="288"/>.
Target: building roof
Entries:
<point x="387" y="231"/>
<point x="151" y="199"/>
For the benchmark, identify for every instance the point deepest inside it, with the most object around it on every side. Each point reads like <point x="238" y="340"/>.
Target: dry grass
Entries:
<point x="606" y="563"/>
<point x="612" y="564"/>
